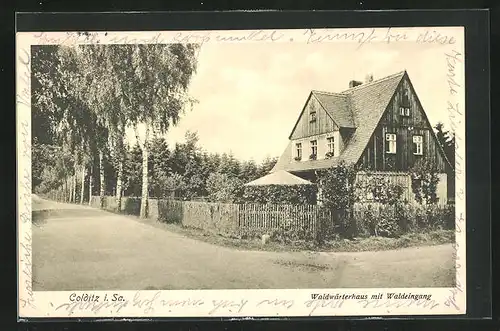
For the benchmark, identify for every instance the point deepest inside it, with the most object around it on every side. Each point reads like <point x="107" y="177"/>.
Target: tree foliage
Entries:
<point x="377" y="188"/>
<point x="280" y="194"/>
<point x="337" y="186"/>
<point x="223" y="187"/>
<point x="424" y="181"/>
<point x="446" y="139"/>
<point x="86" y="96"/>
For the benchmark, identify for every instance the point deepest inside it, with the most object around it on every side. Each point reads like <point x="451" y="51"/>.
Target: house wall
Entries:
<point x="306" y="131"/>
<point x="322" y="144"/>
<point x="442" y="189"/>
<point x="375" y="158"/>
<point x="323" y="124"/>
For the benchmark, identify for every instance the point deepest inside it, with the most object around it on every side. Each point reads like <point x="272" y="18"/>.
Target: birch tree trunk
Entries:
<point x="102" y="183"/>
<point x="144" y="200"/>
<point x="65" y="189"/>
<point x="75" y="182"/>
<point x="119" y="185"/>
<point x="70" y="189"/>
<point x="91" y="182"/>
<point x="82" y="192"/>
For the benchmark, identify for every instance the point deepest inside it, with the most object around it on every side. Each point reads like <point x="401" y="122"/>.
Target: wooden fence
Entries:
<point x="260" y="217"/>
<point x="309" y="221"/>
<point x="245" y="219"/>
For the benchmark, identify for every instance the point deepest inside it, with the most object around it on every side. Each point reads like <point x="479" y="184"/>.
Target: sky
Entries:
<point x="251" y="94"/>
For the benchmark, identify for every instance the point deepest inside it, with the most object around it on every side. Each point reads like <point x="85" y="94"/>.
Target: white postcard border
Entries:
<point x="240" y="303"/>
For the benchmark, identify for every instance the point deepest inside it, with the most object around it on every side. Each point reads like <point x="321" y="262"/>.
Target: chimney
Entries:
<point x="354" y="83"/>
<point x="369" y="78"/>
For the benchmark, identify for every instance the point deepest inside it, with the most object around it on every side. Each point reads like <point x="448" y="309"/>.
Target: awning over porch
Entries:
<point x="280" y="177"/>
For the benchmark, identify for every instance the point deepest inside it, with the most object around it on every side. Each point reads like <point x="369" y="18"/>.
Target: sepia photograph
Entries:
<point x="232" y="164"/>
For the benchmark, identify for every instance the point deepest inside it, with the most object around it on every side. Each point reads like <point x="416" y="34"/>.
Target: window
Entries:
<point x="404" y="110"/>
<point x="314" y="149"/>
<point x="312" y="116"/>
<point x="331" y="146"/>
<point x="390" y="146"/>
<point x="298" y="149"/>
<point x="405" y="102"/>
<point x="418" y="144"/>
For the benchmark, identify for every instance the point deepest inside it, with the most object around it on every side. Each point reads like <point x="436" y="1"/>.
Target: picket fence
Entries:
<point x="251" y="219"/>
<point x="238" y="219"/>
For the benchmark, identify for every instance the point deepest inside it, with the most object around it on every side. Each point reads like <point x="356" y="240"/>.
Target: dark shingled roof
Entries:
<point x="337" y="107"/>
<point x="360" y="107"/>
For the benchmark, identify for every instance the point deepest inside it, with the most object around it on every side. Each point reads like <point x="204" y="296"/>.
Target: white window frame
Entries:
<point x="330" y="143"/>
<point x="391" y="140"/>
<point x="298" y="150"/>
<point x="314" y="147"/>
<point x="404" y="111"/>
<point x="418" y="140"/>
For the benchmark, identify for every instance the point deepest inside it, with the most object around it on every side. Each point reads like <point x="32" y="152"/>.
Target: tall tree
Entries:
<point x="133" y="171"/>
<point x="267" y="165"/>
<point x="157" y="93"/>
<point x="447" y="141"/>
<point x="100" y="84"/>
<point x="159" y="167"/>
<point x="249" y="171"/>
<point x="57" y="97"/>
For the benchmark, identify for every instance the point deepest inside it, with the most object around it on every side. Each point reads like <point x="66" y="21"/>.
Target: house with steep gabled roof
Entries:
<point x="379" y="125"/>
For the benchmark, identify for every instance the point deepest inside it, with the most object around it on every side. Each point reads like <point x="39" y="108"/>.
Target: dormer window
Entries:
<point x="312" y="116"/>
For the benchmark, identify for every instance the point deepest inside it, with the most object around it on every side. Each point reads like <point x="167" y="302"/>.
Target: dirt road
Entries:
<point x="81" y="248"/>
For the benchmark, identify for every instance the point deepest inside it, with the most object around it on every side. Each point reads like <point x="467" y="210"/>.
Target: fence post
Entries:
<point x="316" y="225"/>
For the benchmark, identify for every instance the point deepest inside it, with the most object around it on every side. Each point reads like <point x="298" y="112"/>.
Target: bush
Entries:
<point x="387" y="227"/>
<point x="377" y="188"/>
<point x="387" y="224"/>
<point x="288" y="232"/>
<point x="279" y="194"/>
<point x="367" y="225"/>
<point x="395" y="220"/>
<point x="329" y="226"/>
<point x="424" y="181"/>
<point x="131" y="205"/>
<point x="337" y="187"/>
<point x="223" y="188"/>
<point x="405" y="217"/>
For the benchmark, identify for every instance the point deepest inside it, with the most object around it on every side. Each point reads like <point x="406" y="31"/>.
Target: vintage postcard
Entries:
<point x="262" y="173"/>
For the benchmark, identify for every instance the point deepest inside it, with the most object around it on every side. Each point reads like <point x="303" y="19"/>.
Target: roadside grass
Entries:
<point x="429" y="238"/>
